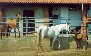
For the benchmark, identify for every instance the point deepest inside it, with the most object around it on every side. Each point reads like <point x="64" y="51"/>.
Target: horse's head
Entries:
<point x="18" y="16"/>
<point x="66" y="27"/>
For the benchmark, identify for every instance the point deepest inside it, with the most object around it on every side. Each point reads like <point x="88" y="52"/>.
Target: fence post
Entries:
<point x="1" y="33"/>
<point x="26" y="27"/>
<point x="67" y="23"/>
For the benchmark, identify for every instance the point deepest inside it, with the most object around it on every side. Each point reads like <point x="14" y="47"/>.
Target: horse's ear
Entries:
<point x="67" y="25"/>
<point x="18" y="13"/>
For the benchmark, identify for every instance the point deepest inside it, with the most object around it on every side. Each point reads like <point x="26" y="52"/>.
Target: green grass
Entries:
<point x="12" y="44"/>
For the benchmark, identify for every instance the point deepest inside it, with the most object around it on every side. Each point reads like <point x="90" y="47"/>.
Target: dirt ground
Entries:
<point x="27" y="47"/>
<point x="68" y="52"/>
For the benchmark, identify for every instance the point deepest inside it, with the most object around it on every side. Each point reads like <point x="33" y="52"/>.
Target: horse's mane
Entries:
<point x="9" y="19"/>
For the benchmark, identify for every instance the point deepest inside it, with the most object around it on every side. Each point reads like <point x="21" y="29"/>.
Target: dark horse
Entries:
<point x="80" y="36"/>
<point x="13" y="23"/>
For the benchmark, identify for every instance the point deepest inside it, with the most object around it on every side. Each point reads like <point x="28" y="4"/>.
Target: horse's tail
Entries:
<point x="39" y="31"/>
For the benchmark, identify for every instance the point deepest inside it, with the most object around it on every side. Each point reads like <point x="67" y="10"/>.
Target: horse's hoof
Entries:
<point x="42" y="51"/>
<point x="51" y="49"/>
<point x="86" y="48"/>
<point x="38" y="51"/>
<point x="77" y="48"/>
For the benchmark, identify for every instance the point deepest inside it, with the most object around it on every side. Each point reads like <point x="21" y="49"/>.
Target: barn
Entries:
<point x="44" y="11"/>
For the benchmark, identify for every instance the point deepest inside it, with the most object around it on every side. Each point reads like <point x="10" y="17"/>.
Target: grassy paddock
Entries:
<point x="26" y="47"/>
<point x="11" y="44"/>
<point x="16" y="44"/>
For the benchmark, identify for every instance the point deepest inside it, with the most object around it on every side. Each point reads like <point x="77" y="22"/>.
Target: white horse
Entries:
<point x="52" y="31"/>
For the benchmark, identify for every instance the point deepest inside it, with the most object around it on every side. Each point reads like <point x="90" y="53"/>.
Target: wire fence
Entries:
<point x="30" y="24"/>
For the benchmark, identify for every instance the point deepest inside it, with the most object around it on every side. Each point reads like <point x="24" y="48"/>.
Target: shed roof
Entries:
<point x="45" y="1"/>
